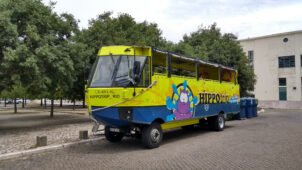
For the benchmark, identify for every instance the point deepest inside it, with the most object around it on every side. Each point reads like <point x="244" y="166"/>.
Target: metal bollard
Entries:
<point x="83" y="134"/>
<point x="41" y="141"/>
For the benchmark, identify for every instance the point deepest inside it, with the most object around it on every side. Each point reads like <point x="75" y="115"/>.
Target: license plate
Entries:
<point x="114" y="130"/>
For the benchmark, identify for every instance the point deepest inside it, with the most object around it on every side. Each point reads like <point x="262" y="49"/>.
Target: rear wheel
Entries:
<point x="152" y="135"/>
<point x="217" y="123"/>
<point x="113" y="136"/>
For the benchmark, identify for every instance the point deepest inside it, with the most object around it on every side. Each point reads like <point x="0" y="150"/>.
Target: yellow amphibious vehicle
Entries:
<point x="142" y="91"/>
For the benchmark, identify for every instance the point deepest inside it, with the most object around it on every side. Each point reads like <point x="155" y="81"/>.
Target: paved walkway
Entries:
<point x="19" y="131"/>
<point x="271" y="141"/>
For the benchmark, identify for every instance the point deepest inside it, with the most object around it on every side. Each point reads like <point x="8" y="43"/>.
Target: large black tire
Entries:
<point x="152" y="135"/>
<point x="113" y="136"/>
<point x="217" y="123"/>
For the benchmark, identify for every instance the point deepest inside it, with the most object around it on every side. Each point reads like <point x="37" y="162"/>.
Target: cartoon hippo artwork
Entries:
<point x="183" y="106"/>
<point x="182" y="102"/>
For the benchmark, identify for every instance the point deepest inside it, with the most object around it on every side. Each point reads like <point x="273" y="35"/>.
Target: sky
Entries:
<point x="244" y="18"/>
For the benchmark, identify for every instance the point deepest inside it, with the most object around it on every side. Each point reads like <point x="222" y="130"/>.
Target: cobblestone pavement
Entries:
<point x="271" y="141"/>
<point x="19" y="131"/>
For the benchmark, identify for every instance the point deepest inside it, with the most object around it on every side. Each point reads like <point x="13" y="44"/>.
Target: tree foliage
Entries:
<point x="35" y="52"/>
<point x="210" y="44"/>
<point x="120" y="30"/>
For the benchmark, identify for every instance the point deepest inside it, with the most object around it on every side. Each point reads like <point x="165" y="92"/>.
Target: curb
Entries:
<point x="44" y="149"/>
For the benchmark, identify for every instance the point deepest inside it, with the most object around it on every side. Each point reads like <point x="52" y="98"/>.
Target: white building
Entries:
<point x="277" y="64"/>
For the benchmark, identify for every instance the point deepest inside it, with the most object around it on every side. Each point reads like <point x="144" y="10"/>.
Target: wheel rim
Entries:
<point x="155" y="135"/>
<point x="220" y="122"/>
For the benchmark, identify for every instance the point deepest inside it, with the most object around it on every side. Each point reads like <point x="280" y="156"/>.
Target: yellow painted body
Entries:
<point x="180" y="123"/>
<point x="156" y="96"/>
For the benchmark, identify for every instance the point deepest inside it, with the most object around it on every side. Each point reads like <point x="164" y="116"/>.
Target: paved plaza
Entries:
<point x="271" y="141"/>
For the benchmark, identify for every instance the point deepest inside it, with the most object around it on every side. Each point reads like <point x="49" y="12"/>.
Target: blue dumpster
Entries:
<point x="243" y="109"/>
<point x="249" y="106"/>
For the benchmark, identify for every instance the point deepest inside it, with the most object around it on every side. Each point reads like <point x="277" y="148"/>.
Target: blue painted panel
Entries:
<point x="149" y="114"/>
<point x="109" y="116"/>
<point x="213" y="109"/>
<point x="146" y="115"/>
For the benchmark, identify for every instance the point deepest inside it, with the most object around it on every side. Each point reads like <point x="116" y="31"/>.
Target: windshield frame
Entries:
<point x="115" y="71"/>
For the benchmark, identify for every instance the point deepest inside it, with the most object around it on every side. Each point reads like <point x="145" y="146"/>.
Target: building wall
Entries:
<point x="267" y="49"/>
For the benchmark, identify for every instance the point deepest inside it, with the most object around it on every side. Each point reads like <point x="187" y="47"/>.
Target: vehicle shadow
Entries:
<point x="129" y="144"/>
<point x="181" y="134"/>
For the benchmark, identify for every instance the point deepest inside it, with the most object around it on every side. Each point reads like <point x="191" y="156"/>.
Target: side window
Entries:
<point x="182" y="67"/>
<point x="208" y="72"/>
<point x="159" y="63"/>
<point x="228" y="75"/>
<point x="145" y="74"/>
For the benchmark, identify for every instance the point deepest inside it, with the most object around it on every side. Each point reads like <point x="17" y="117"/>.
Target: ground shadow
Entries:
<point x="130" y="144"/>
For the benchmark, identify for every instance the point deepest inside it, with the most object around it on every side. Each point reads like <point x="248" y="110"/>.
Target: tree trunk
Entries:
<point x="85" y="82"/>
<point x="41" y="104"/>
<point x="15" y="105"/>
<point x="5" y="102"/>
<point x="23" y="102"/>
<point x="61" y="102"/>
<point x="73" y="104"/>
<point x="51" y="107"/>
<point x="44" y="103"/>
<point x="84" y="101"/>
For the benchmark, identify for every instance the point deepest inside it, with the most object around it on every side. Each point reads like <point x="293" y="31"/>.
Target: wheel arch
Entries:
<point x="158" y="120"/>
<point x="223" y="113"/>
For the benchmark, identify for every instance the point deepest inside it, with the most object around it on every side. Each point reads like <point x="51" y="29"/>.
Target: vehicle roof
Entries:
<point x="194" y="59"/>
<point x="147" y="50"/>
<point x="125" y="50"/>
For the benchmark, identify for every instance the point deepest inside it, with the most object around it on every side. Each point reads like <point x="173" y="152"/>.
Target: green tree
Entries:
<point x="35" y="52"/>
<point x="122" y="30"/>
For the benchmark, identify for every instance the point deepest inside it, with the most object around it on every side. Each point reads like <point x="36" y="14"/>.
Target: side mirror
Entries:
<point x="136" y="70"/>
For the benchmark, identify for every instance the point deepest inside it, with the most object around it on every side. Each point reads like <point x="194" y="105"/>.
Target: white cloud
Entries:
<point x="175" y="18"/>
<point x="265" y="21"/>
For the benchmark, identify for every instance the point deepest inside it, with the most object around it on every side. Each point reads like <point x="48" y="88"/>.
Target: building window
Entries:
<point x="286" y="61"/>
<point x="282" y="89"/>
<point x="250" y="57"/>
<point x="282" y="81"/>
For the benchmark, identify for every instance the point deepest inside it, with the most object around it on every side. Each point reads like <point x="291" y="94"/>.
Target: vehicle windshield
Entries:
<point x="114" y="71"/>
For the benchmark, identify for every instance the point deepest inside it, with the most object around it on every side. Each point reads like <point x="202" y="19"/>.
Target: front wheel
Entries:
<point x="113" y="136"/>
<point x="152" y="135"/>
<point x="217" y="123"/>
